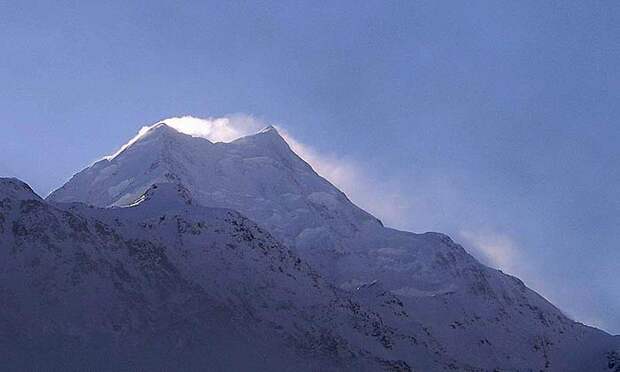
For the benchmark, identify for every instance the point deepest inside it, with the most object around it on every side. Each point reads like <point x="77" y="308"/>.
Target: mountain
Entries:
<point x="170" y="284"/>
<point x="257" y="175"/>
<point x="476" y="318"/>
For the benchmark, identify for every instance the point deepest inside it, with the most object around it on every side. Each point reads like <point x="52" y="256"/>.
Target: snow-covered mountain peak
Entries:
<point x="181" y="190"/>
<point x="161" y="128"/>
<point x="16" y="189"/>
<point x="174" y="130"/>
<point x="294" y="201"/>
<point x="269" y="129"/>
<point x="268" y="139"/>
<point x="159" y="133"/>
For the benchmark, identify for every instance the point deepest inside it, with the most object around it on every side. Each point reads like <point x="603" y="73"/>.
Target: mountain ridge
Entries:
<point x="157" y="265"/>
<point x="440" y="286"/>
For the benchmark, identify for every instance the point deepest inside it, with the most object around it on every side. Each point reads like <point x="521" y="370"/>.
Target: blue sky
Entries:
<point x="496" y="122"/>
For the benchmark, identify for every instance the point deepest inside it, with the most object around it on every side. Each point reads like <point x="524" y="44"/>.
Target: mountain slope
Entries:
<point x="479" y="316"/>
<point x="169" y="284"/>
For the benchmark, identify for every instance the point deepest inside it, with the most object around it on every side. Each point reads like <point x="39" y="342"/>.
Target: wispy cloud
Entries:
<point x="495" y="249"/>
<point x="380" y="197"/>
<point x="224" y="129"/>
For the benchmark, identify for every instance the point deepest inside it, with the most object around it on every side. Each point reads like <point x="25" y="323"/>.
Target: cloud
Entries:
<point x="380" y="197"/>
<point x="224" y="129"/>
<point x="592" y="322"/>
<point x="495" y="249"/>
